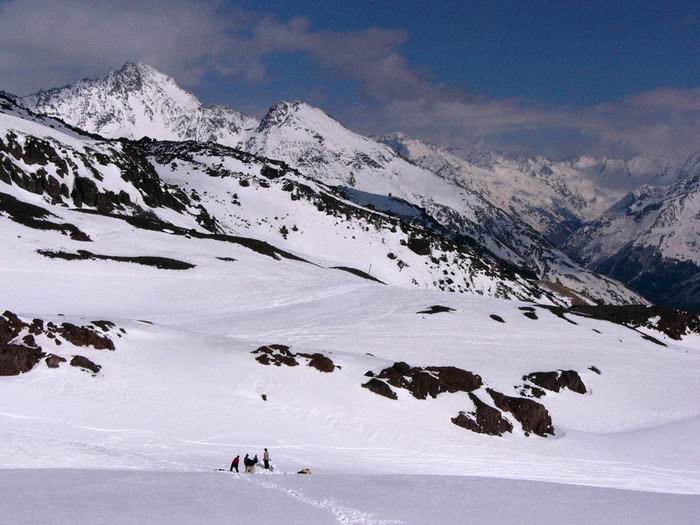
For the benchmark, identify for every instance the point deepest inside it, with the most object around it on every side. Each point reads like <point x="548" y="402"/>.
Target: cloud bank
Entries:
<point x="52" y="42"/>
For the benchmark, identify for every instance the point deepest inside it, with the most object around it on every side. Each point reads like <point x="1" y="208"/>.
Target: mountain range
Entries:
<point x="542" y="216"/>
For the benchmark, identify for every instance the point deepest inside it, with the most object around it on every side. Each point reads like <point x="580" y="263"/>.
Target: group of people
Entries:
<point x="249" y="463"/>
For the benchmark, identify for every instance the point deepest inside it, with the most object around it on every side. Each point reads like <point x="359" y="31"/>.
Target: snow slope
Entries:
<point x="182" y="393"/>
<point x="138" y="101"/>
<point x="217" y="498"/>
<point x="318" y="146"/>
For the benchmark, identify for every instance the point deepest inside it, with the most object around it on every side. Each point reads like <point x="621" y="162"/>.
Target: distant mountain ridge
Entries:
<point x="650" y="240"/>
<point x="518" y="208"/>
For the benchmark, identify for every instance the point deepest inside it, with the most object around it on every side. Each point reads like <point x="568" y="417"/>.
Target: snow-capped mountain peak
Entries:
<point x="137" y="100"/>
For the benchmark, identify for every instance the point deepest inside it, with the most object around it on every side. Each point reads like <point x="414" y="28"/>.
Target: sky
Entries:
<point x="539" y="77"/>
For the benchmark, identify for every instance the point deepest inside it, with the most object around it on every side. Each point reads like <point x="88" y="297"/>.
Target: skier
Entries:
<point x="266" y="460"/>
<point x="234" y="464"/>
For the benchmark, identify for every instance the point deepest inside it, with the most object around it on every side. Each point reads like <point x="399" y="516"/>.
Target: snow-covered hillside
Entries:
<point x="551" y="197"/>
<point x="318" y="146"/>
<point x="137" y="101"/>
<point x="650" y="240"/>
<point x="168" y="305"/>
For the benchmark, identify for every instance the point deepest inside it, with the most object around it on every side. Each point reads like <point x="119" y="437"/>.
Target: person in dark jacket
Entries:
<point x="266" y="459"/>
<point x="249" y="463"/>
<point x="234" y="464"/>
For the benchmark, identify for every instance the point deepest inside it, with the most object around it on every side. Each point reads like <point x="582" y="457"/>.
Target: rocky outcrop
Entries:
<point x="85" y="336"/>
<point x="53" y="361"/>
<point x="18" y="359"/>
<point x="276" y="355"/>
<point x="279" y="355"/>
<point x="85" y="364"/>
<point x="320" y="362"/>
<point x="162" y="263"/>
<point x="379" y="387"/>
<point x="557" y="380"/>
<point x="429" y="381"/>
<point x="436" y="309"/>
<point x="484" y="419"/>
<point x="533" y="416"/>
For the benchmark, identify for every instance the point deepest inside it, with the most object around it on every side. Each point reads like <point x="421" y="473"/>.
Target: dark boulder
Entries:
<point x="320" y="362"/>
<point x="85" y="336"/>
<point x="380" y="387"/>
<point x="557" y="380"/>
<point x="10" y="327"/>
<point x="419" y="246"/>
<point x="84" y="363"/>
<point x="430" y="381"/>
<point x="18" y="359"/>
<point x="277" y="355"/>
<point x="484" y="420"/>
<point x="436" y="309"/>
<point x="533" y="416"/>
<point x="53" y="361"/>
<point x="497" y="318"/>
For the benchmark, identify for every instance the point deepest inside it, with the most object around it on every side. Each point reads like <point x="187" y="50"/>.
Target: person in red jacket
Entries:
<point x="234" y="464"/>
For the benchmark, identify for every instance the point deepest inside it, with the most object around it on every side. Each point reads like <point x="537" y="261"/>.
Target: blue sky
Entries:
<point x="560" y="78"/>
<point x="561" y="52"/>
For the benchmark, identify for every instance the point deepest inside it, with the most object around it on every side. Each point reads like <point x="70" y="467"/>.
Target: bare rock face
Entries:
<point x="279" y="355"/>
<point x="430" y="381"/>
<point x="10" y="327"/>
<point x="484" y="420"/>
<point x="85" y="336"/>
<point x="20" y="351"/>
<point x="533" y="416"/>
<point x="84" y="363"/>
<point x="18" y="359"/>
<point x="557" y="380"/>
<point x="320" y="362"/>
<point x="53" y="361"/>
<point x="380" y="387"/>
<point x="436" y="309"/>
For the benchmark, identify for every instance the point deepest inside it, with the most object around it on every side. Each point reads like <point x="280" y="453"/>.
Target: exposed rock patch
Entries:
<point x="529" y="312"/>
<point x="674" y="323"/>
<point x="557" y="380"/>
<point x="53" y="361"/>
<point x="18" y="359"/>
<point x="436" y="309"/>
<point x="484" y="419"/>
<point x="85" y="336"/>
<point x="497" y="318"/>
<point x="358" y="273"/>
<point x="379" y="387"/>
<point x="532" y="415"/>
<point x="429" y="381"/>
<point x="162" y="263"/>
<point x="36" y="217"/>
<point x="279" y="355"/>
<point x="85" y="364"/>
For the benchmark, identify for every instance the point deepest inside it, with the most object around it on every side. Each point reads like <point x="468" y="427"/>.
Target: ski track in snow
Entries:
<point x="343" y="515"/>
